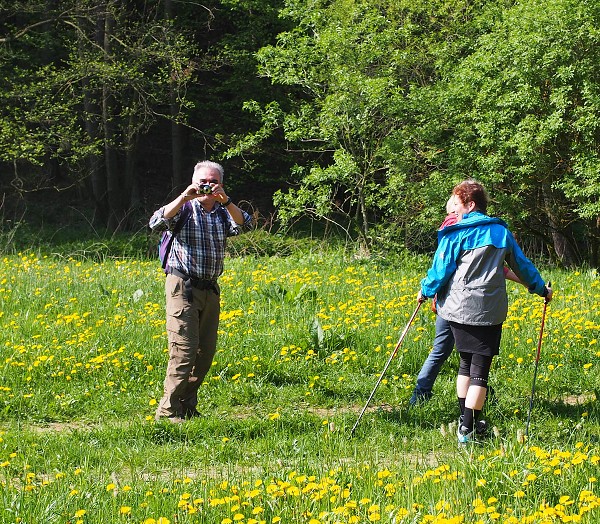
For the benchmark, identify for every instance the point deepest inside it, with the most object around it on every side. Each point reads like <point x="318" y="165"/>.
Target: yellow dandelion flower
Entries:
<point x="125" y="510"/>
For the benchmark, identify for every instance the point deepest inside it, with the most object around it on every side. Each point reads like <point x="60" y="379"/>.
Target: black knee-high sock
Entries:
<point x="461" y="405"/>
<point x="470" y="417"/>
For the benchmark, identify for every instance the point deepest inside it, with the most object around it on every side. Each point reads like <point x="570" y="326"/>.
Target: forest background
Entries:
<point x="358" y="114"/>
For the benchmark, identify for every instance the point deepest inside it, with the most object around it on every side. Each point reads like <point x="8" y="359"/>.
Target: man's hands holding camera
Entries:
<point x="198" y="190"/>
<point x="206" y="186"/>
<point x="204" y="189"/>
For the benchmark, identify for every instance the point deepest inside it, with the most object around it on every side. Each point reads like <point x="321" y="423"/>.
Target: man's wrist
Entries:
<point x="227" y="202"/>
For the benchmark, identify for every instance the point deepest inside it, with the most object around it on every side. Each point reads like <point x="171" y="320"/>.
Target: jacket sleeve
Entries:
<point x="524" y="269"/>
<point x="442" y="267"/>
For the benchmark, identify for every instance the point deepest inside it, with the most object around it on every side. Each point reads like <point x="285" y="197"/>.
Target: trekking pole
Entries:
<point x="386" y="366"/>
<point x="537" y="360"/>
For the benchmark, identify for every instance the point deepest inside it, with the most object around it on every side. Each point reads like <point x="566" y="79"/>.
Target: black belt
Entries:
<point x="198" y="283"/>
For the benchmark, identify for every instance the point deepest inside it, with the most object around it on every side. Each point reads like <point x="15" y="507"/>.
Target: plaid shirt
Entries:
<point x="199" y="249"/>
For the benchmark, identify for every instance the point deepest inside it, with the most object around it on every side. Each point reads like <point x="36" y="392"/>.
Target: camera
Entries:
<point x="204" y="189"/>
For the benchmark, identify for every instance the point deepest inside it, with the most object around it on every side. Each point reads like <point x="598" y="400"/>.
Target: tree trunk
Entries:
<point x="559" y="221"/>
<point x="113" y="185"/>
<point x="595" y="243"/>
<point x="92" y="109"/>
<point x="179" y="178"/>
<point x="132" y="182"/>
<point x="364" y="214"/>
<point x="96" y="173"/>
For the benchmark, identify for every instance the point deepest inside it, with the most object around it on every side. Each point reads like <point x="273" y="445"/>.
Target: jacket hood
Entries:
<point x="475" y="218"/>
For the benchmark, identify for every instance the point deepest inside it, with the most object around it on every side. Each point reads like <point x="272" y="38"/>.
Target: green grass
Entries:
<point x="302" y="341"/>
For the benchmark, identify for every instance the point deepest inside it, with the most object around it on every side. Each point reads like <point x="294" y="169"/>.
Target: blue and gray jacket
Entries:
<point x="467" y="272"/>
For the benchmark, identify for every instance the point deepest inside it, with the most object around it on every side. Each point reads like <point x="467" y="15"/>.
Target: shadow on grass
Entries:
<point x="572" y="407"/>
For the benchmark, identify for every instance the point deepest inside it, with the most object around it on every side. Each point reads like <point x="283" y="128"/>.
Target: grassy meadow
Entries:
<point x="302" y="342"/>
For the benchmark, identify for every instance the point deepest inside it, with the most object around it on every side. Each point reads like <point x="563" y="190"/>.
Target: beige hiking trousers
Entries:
<point x="192" y="335"/>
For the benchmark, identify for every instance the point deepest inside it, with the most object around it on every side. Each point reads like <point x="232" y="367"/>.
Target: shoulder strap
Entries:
<point x="224" y="214"/>
<point x="167" y="239"/>
<point x="186" y="212"/>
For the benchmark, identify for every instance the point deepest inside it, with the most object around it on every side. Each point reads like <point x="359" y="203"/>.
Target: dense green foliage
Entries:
<point x="359" y="113"/>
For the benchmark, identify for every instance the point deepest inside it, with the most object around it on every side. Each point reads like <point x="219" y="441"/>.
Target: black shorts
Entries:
<point x="480" y="340"/>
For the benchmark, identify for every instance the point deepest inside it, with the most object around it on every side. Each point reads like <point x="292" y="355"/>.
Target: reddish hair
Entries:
<point x="472" y="191"/>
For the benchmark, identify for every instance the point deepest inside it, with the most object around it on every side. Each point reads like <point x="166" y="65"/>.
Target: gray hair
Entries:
<point x="210" y="165"/>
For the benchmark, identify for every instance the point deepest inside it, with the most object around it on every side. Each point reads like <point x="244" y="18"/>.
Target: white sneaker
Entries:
<point x="464" y="435"/>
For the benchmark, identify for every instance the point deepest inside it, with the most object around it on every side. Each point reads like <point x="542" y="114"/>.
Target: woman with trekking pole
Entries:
<point x="467" y="275"/>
